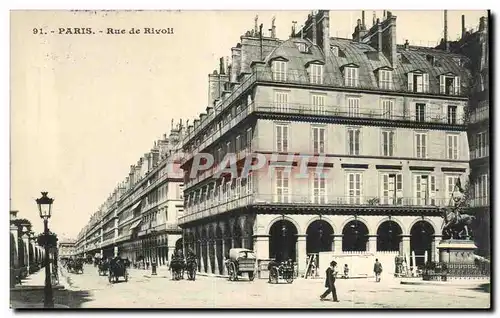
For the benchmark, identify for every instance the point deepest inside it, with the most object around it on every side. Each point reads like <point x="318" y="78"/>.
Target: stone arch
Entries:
<point x="394" y="219"/>
<point x="248" y="232"/>
<point x="279" y="218"/>
<point x="437" y="230"/>
<point x="360" y="219"/>
<point x="319" y="236"/>
<point x="355" y="235"/>
<point x="389" y="235"/>
<point x="421" y="238"/>
<point x="324" y="218"/>
<point x="283" y="240"/>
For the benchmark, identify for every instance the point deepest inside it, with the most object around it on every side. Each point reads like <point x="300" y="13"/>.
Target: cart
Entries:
<point x="241" y="260"/>
<point x="283" y="270"/>
<point x="117" y="269"/>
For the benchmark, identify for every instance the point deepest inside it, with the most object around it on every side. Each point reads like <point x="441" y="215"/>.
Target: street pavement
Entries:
<point x="146" y="291"/>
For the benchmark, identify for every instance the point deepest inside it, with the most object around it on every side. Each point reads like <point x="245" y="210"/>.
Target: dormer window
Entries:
<point x="449" y="84"/>
<point x="385" y="79"/>
<point x="279" y="70"/>
<point x="335" y="50"/>
<point x="418" y="82"/>
<point x="351" y="77"/>
<point x="315" y="73"/>
<point x="302" y="47"/>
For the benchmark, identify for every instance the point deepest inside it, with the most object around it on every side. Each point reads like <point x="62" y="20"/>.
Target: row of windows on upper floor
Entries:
<point x="421" y="112"/>
<point x="319" y="136"/>
<point x="390" y="188"/>
<point x="417" y="81"/>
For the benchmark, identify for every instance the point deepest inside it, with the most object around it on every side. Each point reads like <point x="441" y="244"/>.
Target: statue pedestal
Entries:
<point x="456" y="251"/>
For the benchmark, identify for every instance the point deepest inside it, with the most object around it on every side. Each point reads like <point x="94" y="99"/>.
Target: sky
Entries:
<point x="86" y="107"/>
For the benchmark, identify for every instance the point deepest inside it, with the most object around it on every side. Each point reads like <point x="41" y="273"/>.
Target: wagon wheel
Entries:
<point x="234" y="272"/>
<point x="193" y="274"/>
<point x="109" y="277"/>
<point x="251" y="276"/>
<point x="289" y="278"/>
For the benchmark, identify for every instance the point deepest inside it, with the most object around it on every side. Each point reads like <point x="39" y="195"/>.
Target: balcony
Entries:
<point x="218" y="206"/>
<point x="341" y="112"/>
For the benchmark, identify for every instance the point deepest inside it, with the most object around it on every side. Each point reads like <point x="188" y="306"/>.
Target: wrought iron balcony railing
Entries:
<point x="223" y="204"/>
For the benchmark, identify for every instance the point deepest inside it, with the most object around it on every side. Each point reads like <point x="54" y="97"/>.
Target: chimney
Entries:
<point x="463" y="25"/>
<point x="374" y="21"/>
<point x="407" y="45"/>
<point x="379" y="35"/>
<point x="221" y="66"/>
<point x="384" y="15"/>
<point x="131" y="176"/>
<point x="155" y="157"/>
<point x="273" y="28"/>
<point x="326" y="33"/>
<point x="209" y="110"/>
<point x="482" y="24"/>
<point x="202" y="116"/>
<point x="235" y="63"/>
<point x="256" y="26"/>
<point x="314" y="35"/>
<point x="447" y="45"/>
<point x="363" y="18"/>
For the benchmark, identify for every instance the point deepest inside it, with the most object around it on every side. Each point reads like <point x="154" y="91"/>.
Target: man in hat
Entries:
<point x="331" y="273"/>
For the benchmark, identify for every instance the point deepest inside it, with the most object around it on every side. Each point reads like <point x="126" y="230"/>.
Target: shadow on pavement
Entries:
<point x="33" y="298"/>
<point x="483" y="287"/>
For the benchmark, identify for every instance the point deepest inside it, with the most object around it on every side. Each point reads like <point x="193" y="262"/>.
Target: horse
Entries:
<point x="177" y="266"/>
<point x="455" y="224"/>
<point x="191" y="265"/>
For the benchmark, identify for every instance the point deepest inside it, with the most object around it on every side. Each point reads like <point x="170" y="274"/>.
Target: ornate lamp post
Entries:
<point x="45" y="209"/>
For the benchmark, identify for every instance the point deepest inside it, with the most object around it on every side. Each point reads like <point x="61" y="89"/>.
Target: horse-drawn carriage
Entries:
<point x="75" y="266"/>
<point x="116" y="270"/>
<point x="283" y="270"/>
<point x="177" y="266"/>
<point x="191" y="264"/>
<point x="102" y="267"/>
<point x="241" y="260"/>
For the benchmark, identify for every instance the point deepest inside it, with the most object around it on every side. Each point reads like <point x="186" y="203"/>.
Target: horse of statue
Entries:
<point x="456" y="225"/>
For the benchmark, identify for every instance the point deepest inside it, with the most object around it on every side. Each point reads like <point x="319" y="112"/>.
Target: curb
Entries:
<point x="456" y="283"/>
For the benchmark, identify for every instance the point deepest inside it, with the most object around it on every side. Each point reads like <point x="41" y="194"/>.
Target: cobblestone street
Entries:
<point x="146" y="291"/>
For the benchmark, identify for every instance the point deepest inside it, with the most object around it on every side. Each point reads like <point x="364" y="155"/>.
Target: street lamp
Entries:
<point x="45" y="209"/>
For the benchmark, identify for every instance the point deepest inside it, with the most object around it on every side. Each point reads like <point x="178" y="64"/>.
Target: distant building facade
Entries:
<point x="66" y="249"/>
<point x="138" y="221"/>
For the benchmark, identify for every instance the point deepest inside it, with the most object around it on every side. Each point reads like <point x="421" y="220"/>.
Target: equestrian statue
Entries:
<point x="456" y="224"/>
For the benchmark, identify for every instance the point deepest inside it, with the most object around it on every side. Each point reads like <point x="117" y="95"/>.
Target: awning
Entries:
<point x="135" y="224"/>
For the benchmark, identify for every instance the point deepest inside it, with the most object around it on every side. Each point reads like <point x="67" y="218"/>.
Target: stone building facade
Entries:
<point x="385" y="122"/>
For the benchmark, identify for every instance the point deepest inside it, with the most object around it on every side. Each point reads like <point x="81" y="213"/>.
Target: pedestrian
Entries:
<point x="377" y="269"/>
<point x="346" y="271"/>
<point x="331" y="273"/>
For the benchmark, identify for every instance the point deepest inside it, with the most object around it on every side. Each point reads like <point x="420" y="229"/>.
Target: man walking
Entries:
<point x="331" y="273"/>
<point x="377" y="269"/>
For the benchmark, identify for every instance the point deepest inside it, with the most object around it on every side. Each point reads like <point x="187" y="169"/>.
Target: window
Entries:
<point x="279" y="70"/>
<point x="449" y="85"/>
<point x="451" y="181"/>
<point x="351" y="76"/>
<point x="335" y="50"/>
<point x="316" y="73"/>
<point x="452" y="147"/>
<point x="419" y="112"/>
<point x="318" y="139"/>
<point x="482" y="149"/>
<point x="281" y="101"/>
<point x="302" y="47"/>
<point x="391" y="188"/>
<point x="452" y="114"/>
<point x="249" y="184"/>
<point x="388" y="143"/>
<point x="425" y="189"/>
<point x="421" y="145"/>
<point x="481" y="188"/>
<point x="354" y="184"/>
<point x="281" y="138"/>
<point x="418" y="82"/>
<point x="249" y="138"/>
<point x="229" y="147"/>
<point x="385" y="79"/>
<point x="319" y="189"/>
<point x="353" y="107"/>
<point x="282" y="186"/>
<point x="238" y="143"/>
<point x="318" y="104"/>
<point x="353" y="141"/>
<point x="387" y="108"/>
